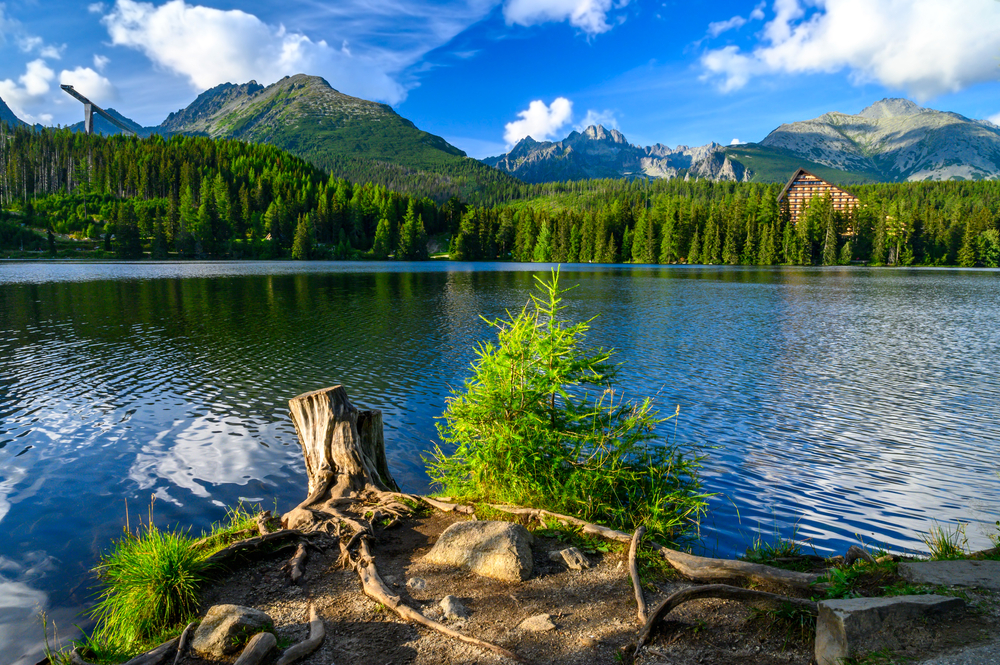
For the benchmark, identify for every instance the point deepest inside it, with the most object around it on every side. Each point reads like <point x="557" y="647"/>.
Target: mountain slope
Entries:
<point x="898" y="141"/>
<point x="6" y="115"/>
<point x="600" y="153"/>
<point x="305" y="116"/>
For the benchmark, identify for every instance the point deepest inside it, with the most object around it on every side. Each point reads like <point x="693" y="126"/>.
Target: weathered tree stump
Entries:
<point x="343" y="460"/>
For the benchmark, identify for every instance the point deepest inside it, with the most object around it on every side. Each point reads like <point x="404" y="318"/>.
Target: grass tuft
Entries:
<point x="947" y="543"/>
<point x="151" y="581"/>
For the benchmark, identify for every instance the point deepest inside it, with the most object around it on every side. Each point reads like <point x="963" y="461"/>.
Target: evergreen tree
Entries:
<point x="380" y="247"/>
<point x="543" y="246"/>
<point x="303" y="242"/>
<point x="846" y="253"/>
<point x="694" y="253"/>
<point x="830" y="257"/>
<point x="879" y="241"/>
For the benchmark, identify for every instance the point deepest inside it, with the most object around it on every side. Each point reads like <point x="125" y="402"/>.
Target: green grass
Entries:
<point x="767" y="551"/>
<point x="947" y="543"/>
<point x="149" y="585"/>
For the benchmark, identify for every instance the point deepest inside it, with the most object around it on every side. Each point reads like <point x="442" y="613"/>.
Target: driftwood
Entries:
<point x="723" y="591"/>
<point x="182" y="646"/>
<point x="633" y="571"/>
<point x="316" y="634"/>
<point x="376" y="589"/>
<point x="259" y="646"/>
<point x="158" y="655"/>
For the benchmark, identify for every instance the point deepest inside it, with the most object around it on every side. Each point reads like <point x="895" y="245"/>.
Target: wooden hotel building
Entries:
<point x="803" y="186"/>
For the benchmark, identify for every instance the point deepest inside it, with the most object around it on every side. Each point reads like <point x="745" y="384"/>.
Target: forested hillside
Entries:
<point x="195" y="196"/>
<point x="609" y="221"/>
<point x="201" y="197"/>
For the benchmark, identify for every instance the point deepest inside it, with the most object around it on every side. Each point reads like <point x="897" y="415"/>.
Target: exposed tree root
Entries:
<point x="296" y="566"/>
<point x="253" y="545"/>
<point x="723" y="591"/>
<point x="316" y="635"/>
<point x="376" y="589"/>
<point x="257" y="649"/>
<point x="633" y="570"/>
<point x="185" y="642"/>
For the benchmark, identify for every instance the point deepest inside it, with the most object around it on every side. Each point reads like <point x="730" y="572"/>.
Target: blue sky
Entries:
<point x="484" y="73"/>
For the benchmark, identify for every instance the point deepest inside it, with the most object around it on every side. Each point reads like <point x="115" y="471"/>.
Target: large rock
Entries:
<point x="980" y="574"/>
<point x="500" y="550"/>
<point x="226" y="628"/>
<point x="846" y="628"/>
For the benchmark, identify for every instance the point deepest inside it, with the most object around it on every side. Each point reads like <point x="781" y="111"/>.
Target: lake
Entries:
<point x="835" y="405"/>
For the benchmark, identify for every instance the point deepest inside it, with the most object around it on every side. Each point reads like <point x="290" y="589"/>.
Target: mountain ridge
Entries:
<point x="597" y="152"/>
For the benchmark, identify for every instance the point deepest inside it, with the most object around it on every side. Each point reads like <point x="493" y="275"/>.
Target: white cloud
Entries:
<point x="995" y="119"/>
<point x="925" y="47"/>
<point x="736" y="142"/>
<point x="27" y="96"/>
<point x="96" y="8"/>
<point x="210" y="46"/>
<point x="100" y="62"/>
<point x="604" y="118"/>
<point x="90" y="84"/>
<point x="719" y="27"/>
<point x="539" y="121"/>
<point x="591" y="16"/>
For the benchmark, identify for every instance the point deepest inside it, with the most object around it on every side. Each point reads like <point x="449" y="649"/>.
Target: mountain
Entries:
<point x="102" y="126"/>
<point x="307" y="117"/>
<point x="6" y="115"/>
<point x="895" y="140"/>
<point x="597" y="152"/>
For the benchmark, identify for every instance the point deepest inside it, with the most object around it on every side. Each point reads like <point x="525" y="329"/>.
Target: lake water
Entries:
<point x="837" y="404"/>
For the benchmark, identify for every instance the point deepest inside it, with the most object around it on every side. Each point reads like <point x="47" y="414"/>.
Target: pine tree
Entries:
<point x="380" y="247"/>
<point x="830" y="246"/>
<point x="303" y="242"/>
<point x="846" y="253"/>
<point x="879" y="242"/>
<point x="694" y="253"/>
<point x="543" y="246"/>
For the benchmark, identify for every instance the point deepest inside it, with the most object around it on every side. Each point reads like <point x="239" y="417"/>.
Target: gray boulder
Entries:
<point x="500" y="550"/>
<point x="226" y="628"/>
<point x="978" y="574"/>
<point x="850" y="627"/>
<point x="453" y="608"/>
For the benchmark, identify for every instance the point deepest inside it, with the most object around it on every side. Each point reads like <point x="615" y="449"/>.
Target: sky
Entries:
<point x="485" y="73"/>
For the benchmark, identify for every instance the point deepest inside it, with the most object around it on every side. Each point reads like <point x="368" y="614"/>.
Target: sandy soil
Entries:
<point x="593" y="611"/>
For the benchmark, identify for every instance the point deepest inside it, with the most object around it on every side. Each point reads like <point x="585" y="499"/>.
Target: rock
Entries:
<point x="500" y="550"/>
<point x="538" y="623"/>
<point x="981" y="574"/>
<point x="416" y="584"/>
<point x="588" y="641"/>
<point x="225" y="628"/>
<point x="572" y="557"/>
<point x="847" y="628"/>
<point x="453" y="608"/>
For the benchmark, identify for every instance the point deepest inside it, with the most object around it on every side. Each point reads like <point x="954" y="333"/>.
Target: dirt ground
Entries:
<point x="593" y="610"/>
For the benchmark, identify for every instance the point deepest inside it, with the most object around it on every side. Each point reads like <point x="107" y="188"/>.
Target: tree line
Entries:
<point x="194" y="196"/>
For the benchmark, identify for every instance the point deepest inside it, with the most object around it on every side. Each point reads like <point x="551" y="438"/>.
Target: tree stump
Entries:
<point x="344" y="451"/>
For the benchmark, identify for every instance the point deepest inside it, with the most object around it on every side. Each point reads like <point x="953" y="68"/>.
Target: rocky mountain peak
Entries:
<point x="6" y="115"/>
<point x="892" y="107"/>
<point x="599" y="133"/>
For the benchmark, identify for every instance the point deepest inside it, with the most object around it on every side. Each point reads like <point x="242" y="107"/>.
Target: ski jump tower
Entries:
<point x="90" y="108"/>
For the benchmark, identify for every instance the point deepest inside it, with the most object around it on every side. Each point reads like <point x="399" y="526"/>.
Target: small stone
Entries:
<point x="572" y="557"/>
<point x="453" y="608"/>
<point x="538" y="623"/>
<point x="416" y="584"/>
<point x="588" y="641"/>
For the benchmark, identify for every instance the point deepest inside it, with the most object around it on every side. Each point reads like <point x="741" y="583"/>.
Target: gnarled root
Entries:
<point x="257" y="649"/>
<point x="375" y="589"/>
<point x="316" y="634"/>
<point x="723" y="591"/>
<point x="633" y="571"/>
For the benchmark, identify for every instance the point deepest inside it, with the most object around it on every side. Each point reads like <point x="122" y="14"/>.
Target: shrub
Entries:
<point x="540" y="424"/>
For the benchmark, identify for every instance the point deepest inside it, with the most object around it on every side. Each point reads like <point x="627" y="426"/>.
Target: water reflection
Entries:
<point x="843" y="403"/>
